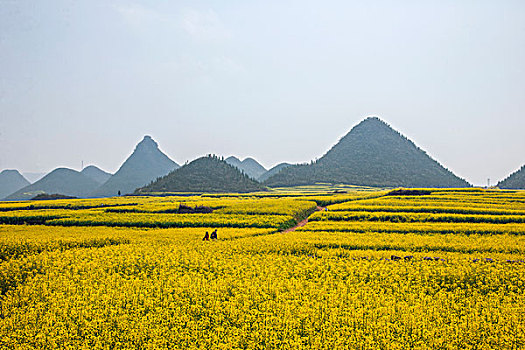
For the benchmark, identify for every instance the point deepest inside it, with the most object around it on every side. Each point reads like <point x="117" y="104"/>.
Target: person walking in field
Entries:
<point x="206" y="237"/>
<point x="214" y="234"/>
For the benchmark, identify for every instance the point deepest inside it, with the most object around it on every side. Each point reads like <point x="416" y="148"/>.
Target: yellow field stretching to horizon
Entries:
<point x="443" y="270"/>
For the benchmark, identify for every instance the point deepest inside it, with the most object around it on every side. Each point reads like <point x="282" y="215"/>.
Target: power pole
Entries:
<point x="82" y="167"/>
<point x="488" y="182"/>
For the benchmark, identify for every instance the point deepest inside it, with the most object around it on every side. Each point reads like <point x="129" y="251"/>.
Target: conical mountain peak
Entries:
<point x="145" y="164"/>
<point x="147" y="143"/>
<point x="233" y="159"/>
<point x="375" y="121"/>
<point x="372" y="154"/>
<point x="205" y="174"/>
<point x="374" y="137"/>
<point x="236" y="162"/>
<point x="250" y="160"/>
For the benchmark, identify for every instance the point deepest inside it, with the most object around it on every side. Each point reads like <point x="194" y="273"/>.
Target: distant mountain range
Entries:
<point x="249" y="166"/>
<point x="62" y="181"/>
<point x="145" y="164"/>
<point x="206" y="174"/>
<point x="275" y="170"/>
<point x="516" y="180"/>
<point x="371" y="154"/>
<point x="10" y="182"/>
<point x="96" y="174"/>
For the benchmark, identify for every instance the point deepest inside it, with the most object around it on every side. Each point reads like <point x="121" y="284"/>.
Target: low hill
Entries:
<point x="275" y="170"/>
<point x="249" y="166"/>
<point x="96" y="174"/>
<point x="11" y="181"/>
<point x="145" y="164"/>
<point x="55" y="196"/>
<point x="371" y="154"/>
<point x="62" y="180"/>
<point x="206" y="174"/>
<point x="515" y="180"/>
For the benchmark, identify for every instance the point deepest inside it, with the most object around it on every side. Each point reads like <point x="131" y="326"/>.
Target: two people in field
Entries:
<point x="213" y="235"/>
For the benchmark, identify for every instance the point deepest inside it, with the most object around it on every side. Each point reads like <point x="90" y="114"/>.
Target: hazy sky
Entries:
<point x="275" y="80"/>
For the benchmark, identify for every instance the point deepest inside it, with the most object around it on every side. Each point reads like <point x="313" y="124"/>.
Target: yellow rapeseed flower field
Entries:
<point x="413" y="272"/>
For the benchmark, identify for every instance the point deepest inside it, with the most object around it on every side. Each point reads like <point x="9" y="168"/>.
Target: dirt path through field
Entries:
<point x="302" y="223"/>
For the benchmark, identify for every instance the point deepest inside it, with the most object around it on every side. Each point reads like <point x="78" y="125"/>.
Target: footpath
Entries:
<point x="302" y="223"/>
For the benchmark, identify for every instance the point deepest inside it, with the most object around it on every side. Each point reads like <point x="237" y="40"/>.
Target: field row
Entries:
<point x="414" y="217"/>
<point x="420" y="228"/>
<point x="17" y="241"/>
<point x="149" y="203"/>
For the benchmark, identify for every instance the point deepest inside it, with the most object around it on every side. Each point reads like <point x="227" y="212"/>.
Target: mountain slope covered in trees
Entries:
<point x="515" y="180"/>
<point x="206" y="174"/>
<point x="371" y="154"/>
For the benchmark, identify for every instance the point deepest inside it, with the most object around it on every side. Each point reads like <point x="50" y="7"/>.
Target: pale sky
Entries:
<point x="274" y="80"/>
